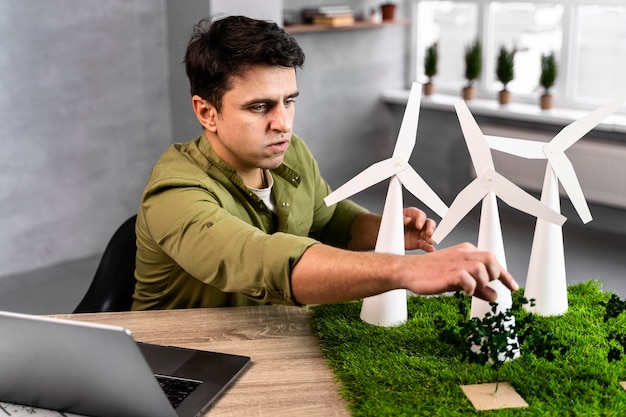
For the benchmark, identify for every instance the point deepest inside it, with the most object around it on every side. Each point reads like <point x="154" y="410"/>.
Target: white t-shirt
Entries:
<point x="265" y="194"/>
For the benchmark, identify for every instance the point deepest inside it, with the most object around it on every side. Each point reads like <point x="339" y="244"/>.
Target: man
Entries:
<point x="237" y="215"/>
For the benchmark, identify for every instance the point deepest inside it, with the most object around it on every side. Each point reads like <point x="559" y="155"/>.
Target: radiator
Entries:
<point x="599" y="165"/>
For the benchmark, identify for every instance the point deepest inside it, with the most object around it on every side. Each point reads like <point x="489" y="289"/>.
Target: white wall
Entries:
<point x="84" y="112"/>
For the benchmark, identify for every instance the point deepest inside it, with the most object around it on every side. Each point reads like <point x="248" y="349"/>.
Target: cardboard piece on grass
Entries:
<point x="483" y="396"/>
<point x="623" y="384"/>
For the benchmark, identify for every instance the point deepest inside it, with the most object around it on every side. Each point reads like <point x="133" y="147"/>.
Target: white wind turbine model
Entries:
<point x="487" y="185"/>
<point x="389" y="309"/>
<point x="546" y="281"/>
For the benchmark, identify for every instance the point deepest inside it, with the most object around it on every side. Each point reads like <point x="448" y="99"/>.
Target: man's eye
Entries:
<point x="290" y="101"/>
<point x="259" y="108"/>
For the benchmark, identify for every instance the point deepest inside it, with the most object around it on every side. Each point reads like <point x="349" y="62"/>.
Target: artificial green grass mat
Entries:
<point x="408" y="371"/>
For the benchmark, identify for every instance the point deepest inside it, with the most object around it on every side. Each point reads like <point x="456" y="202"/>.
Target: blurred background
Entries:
<point x="92" y="92"/>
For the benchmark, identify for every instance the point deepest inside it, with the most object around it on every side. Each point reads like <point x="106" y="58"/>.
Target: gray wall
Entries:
<point x="84" y="112"/>
<point x="339" y="112"/>
<point x="91" y="93"/>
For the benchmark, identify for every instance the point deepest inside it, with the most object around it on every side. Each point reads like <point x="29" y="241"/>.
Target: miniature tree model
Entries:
<point x="473" y="68"/>
<point x="430" y="68"/>
<point x="494" y="339"/>
<point x="496" y="336"/>
<point x="505" y="72"/>
<point x="549" y="72"/>
<point x="390" y="308"/>
<point x="546" y="281"/>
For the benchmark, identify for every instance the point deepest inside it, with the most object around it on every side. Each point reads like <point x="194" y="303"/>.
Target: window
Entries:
<point x="589" y="40"/>
<point x="600" y="58"/>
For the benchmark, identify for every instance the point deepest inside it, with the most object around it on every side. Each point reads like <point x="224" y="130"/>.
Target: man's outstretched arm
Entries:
<point x="325" y="274"/>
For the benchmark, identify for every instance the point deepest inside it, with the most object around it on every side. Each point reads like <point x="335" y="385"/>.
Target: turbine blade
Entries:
<point x="576" y="130"/>
<point x="564" y="171"/>
<point x="517" y="198"/>
<point x="408" y="129"/>
<point x="476" y="143"/>
<point x="370" y="176"/>
<point x="420" y="189"/>
<point x="465" y="201"/>
<point x="529" y="149"/>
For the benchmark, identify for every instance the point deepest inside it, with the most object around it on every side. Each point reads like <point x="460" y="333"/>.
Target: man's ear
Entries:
<point x="205" y="112"/>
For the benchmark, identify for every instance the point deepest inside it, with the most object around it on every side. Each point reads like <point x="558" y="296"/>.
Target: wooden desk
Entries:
<point x="288" y="375"/>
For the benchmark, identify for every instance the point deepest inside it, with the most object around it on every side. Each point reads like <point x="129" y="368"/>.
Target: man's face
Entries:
<point x="253" y="129"/>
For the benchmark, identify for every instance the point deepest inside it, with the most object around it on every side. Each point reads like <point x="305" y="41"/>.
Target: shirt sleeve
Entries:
<point x="218" y="248"/>
<point x="331" y="224"/>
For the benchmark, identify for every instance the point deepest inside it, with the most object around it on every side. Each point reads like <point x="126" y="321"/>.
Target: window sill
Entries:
<point x="614" y="123"/>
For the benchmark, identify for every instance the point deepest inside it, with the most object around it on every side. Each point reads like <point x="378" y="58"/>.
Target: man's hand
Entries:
<point x="418" y="230"/>
<point x="460" y="267"/>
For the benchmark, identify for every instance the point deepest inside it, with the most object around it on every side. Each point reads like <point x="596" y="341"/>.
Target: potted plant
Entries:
<point x="549" y="71"/>
<point x="473" y="67"/>
<point x="505" y="72"/>
<point x="388" y="11"/>
<point x="430" y="68"/>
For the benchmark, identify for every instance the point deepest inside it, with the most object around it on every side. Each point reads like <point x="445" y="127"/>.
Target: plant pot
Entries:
<point x="388" y="11"/>
<point x="469" y="92"/>
<point x="428" y="88"/>
<point x="546" y="101"/>
<point x="504" y="97"/>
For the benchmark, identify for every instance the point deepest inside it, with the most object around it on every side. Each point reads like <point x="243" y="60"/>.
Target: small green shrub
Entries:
<point x="473" y="61"/>
<point x="430" y="61"/>
<point x="505" y="66"/>
<point x="549" y="71"/>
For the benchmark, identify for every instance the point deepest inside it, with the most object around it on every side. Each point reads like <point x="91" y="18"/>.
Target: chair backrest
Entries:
<point x="114" y="281"/>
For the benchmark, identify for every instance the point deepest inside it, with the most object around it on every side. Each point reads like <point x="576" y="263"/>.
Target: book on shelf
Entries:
<point x="334" y="21"/>
<point x="327" y="10"/>
<point x="323" y="13"/>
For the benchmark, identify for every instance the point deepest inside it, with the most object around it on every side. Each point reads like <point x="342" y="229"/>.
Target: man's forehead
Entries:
<point x="264" y="80"/>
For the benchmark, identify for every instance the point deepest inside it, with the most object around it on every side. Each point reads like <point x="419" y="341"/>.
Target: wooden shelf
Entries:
<point x="356" y="26"/>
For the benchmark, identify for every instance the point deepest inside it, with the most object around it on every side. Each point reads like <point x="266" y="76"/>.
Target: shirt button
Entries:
<point x="285" y="204"/>
<point x="295" y="179"/>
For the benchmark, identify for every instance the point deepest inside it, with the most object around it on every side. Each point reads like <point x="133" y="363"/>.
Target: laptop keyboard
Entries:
<point x="177" y="389"/>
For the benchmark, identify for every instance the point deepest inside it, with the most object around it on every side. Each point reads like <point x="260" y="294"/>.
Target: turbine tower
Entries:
<point x="389" y="309"/>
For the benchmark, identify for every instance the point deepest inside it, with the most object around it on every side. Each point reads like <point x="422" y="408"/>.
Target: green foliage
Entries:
<point x="430" y="61"/>
<point x="493" y="338"/>
<point x="473" y="61"/>
<point x="614" y="307"/>
<point x="505" y="66"/>
<point x="549" y="71"/>
<point x="410" y="371"/>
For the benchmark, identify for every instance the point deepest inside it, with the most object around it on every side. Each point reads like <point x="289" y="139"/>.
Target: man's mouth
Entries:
<point x="279" y="146"/>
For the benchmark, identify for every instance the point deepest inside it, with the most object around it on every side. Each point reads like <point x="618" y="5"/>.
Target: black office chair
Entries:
<point x="114" y="282"/>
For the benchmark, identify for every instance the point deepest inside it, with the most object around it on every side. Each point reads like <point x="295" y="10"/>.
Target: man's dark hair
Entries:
<point x="227" y="47"/>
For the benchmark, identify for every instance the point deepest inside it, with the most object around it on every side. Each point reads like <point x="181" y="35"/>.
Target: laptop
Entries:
<point x="101" y="371"/>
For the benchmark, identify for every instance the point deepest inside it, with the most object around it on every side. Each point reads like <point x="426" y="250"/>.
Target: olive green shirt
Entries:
<point x="205" y="240"/>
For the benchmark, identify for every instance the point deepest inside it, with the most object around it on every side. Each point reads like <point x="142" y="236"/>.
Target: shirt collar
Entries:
<point x="284" y="171"/>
